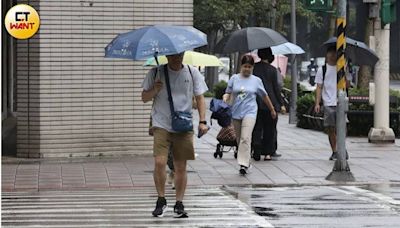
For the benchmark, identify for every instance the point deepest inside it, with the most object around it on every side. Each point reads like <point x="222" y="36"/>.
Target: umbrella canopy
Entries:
<point x="154" y="40"/>
<point x="192" y="58"/>
<point x="287" y="48"/>
<point x="251" y="38"/>
<point x="357" y="51"/>
<point x="280" y="61"/>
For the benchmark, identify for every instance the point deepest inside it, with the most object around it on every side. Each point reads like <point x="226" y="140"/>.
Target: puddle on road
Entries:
<point x="373" y="205"/>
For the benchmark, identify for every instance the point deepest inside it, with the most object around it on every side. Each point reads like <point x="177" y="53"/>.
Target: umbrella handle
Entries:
<point x="158" y="64"/>
<point x="156" y="58"/>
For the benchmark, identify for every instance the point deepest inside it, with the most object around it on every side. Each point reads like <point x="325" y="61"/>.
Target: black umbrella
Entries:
<point x="357" y="51"/>
<point x="248" y="39"/>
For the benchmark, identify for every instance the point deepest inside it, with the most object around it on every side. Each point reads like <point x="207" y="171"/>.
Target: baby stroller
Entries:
<point x="226" y="136"/>
<point x="227" y="142"/>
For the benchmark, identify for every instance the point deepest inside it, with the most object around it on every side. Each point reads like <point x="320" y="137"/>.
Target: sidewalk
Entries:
<point x="304" y="162"/>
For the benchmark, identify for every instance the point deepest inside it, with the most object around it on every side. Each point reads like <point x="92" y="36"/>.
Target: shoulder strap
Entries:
<point x="323" y="73"/>
<point x="190" y="71"/>
<point x="171" y="102"/>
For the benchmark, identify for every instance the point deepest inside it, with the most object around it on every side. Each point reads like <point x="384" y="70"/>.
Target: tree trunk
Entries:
<point x="332" y="21"/>
<point x="365" y="73"/>
<point x="211" y="73"/>
<point x="211" y="39"/>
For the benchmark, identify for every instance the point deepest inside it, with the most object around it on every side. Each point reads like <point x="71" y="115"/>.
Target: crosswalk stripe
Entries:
<point x="207" y="207"/>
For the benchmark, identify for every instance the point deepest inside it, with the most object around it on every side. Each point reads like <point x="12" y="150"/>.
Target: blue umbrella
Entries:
<point x="155" y="40"/>
<point x="287" y="48"/>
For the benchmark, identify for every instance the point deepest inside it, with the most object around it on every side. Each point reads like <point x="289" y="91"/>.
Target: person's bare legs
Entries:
<point x="332" y="138"/>
<point x="159" y="174"/>
<point x="180" y="179"/>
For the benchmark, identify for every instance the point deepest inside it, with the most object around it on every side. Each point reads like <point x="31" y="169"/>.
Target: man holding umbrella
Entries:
<point x="326" y="81"/>
<point x="185" y="81"/>
<point x="171" y="88"/>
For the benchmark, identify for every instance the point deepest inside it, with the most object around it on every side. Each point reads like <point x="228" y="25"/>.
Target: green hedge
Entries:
<point x="219" y="89"/>
<point x="359" y="123"/>
<point x="304" y="105"/>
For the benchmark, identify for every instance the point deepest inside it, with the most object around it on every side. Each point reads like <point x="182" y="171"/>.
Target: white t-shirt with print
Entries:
<point x="329" y="90"/>
<point x="182" y="88"/>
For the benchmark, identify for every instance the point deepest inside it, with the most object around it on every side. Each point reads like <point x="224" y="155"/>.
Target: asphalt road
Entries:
<point x="395" y="84"/>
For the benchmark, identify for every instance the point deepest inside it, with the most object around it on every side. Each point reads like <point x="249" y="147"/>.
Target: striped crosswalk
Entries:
<point x="207" y="207"/>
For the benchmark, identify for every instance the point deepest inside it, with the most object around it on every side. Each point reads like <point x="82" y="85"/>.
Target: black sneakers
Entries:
<point x="161" y="207"/>
<point x="243" y="170"/>
<point x="334" y="156"/>
<point x="179" y="210"/>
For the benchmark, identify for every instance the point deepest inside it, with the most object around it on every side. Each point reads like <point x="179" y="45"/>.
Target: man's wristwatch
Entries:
<point x="203" y="122"/>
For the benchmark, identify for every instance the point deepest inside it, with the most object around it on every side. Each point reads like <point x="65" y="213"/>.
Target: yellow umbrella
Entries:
<point x="192" y="58"/>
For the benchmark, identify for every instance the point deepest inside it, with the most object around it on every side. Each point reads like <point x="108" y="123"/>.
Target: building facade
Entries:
<point x="70" y="100"/>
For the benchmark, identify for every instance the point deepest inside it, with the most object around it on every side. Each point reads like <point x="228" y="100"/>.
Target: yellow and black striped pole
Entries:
<point x="341" y="170"/>
<point x="341" y="50"/>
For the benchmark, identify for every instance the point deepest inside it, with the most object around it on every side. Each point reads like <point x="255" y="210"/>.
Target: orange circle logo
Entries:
<point x="22" y="21"/>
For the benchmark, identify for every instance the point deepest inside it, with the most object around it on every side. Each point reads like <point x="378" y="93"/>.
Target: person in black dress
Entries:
<point x="265" y="133"/>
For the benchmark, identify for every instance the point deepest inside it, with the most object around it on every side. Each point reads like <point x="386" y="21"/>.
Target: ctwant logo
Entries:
<point x="22" y="21"/>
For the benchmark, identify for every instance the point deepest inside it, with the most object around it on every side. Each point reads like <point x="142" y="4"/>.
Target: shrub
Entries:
<point x="304" y="104"/>
<point x="208" y="94"/>
<point x="287" y="82"/>
<point x="219" y="89"/>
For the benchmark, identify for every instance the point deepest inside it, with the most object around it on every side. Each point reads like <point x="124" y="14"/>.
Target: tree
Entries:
<point x="214" y="16"/>
<point x="218" y="18"/>
<point x="223" y="16"/>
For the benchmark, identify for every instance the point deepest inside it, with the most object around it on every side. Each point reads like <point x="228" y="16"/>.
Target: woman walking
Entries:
<point x="243" y="88"/>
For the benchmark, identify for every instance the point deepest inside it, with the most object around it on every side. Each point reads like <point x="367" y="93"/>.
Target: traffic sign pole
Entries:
<point x="341" y="170"/>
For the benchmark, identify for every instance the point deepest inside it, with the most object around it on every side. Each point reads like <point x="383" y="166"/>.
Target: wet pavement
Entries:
<point x="332" y="206"/>
<point x="325" y="206"/>
<point x="304" y="161"/>
<point x="206" y="207"/>
<point x="289" y="192"/>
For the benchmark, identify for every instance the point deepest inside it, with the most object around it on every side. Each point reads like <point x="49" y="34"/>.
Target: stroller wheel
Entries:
<point x="220" y="154"/>
<point x="217" y="151"/>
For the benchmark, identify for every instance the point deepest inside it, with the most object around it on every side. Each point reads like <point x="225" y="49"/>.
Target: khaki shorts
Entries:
<point x="329" y="116"/>
<point x="181" y="143"/>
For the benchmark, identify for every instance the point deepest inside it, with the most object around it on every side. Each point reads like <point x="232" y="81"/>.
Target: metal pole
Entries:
<point x="273" y="17"/>
<point x="341" y="169"/>
<point x="381" y="132"/>
<point x="293" y="100"/>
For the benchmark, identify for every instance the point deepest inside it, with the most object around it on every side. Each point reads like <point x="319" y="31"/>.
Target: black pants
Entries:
<point x="264" y="139"/>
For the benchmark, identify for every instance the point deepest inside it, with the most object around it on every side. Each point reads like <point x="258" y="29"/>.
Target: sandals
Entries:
<point x="267" y="158"/>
